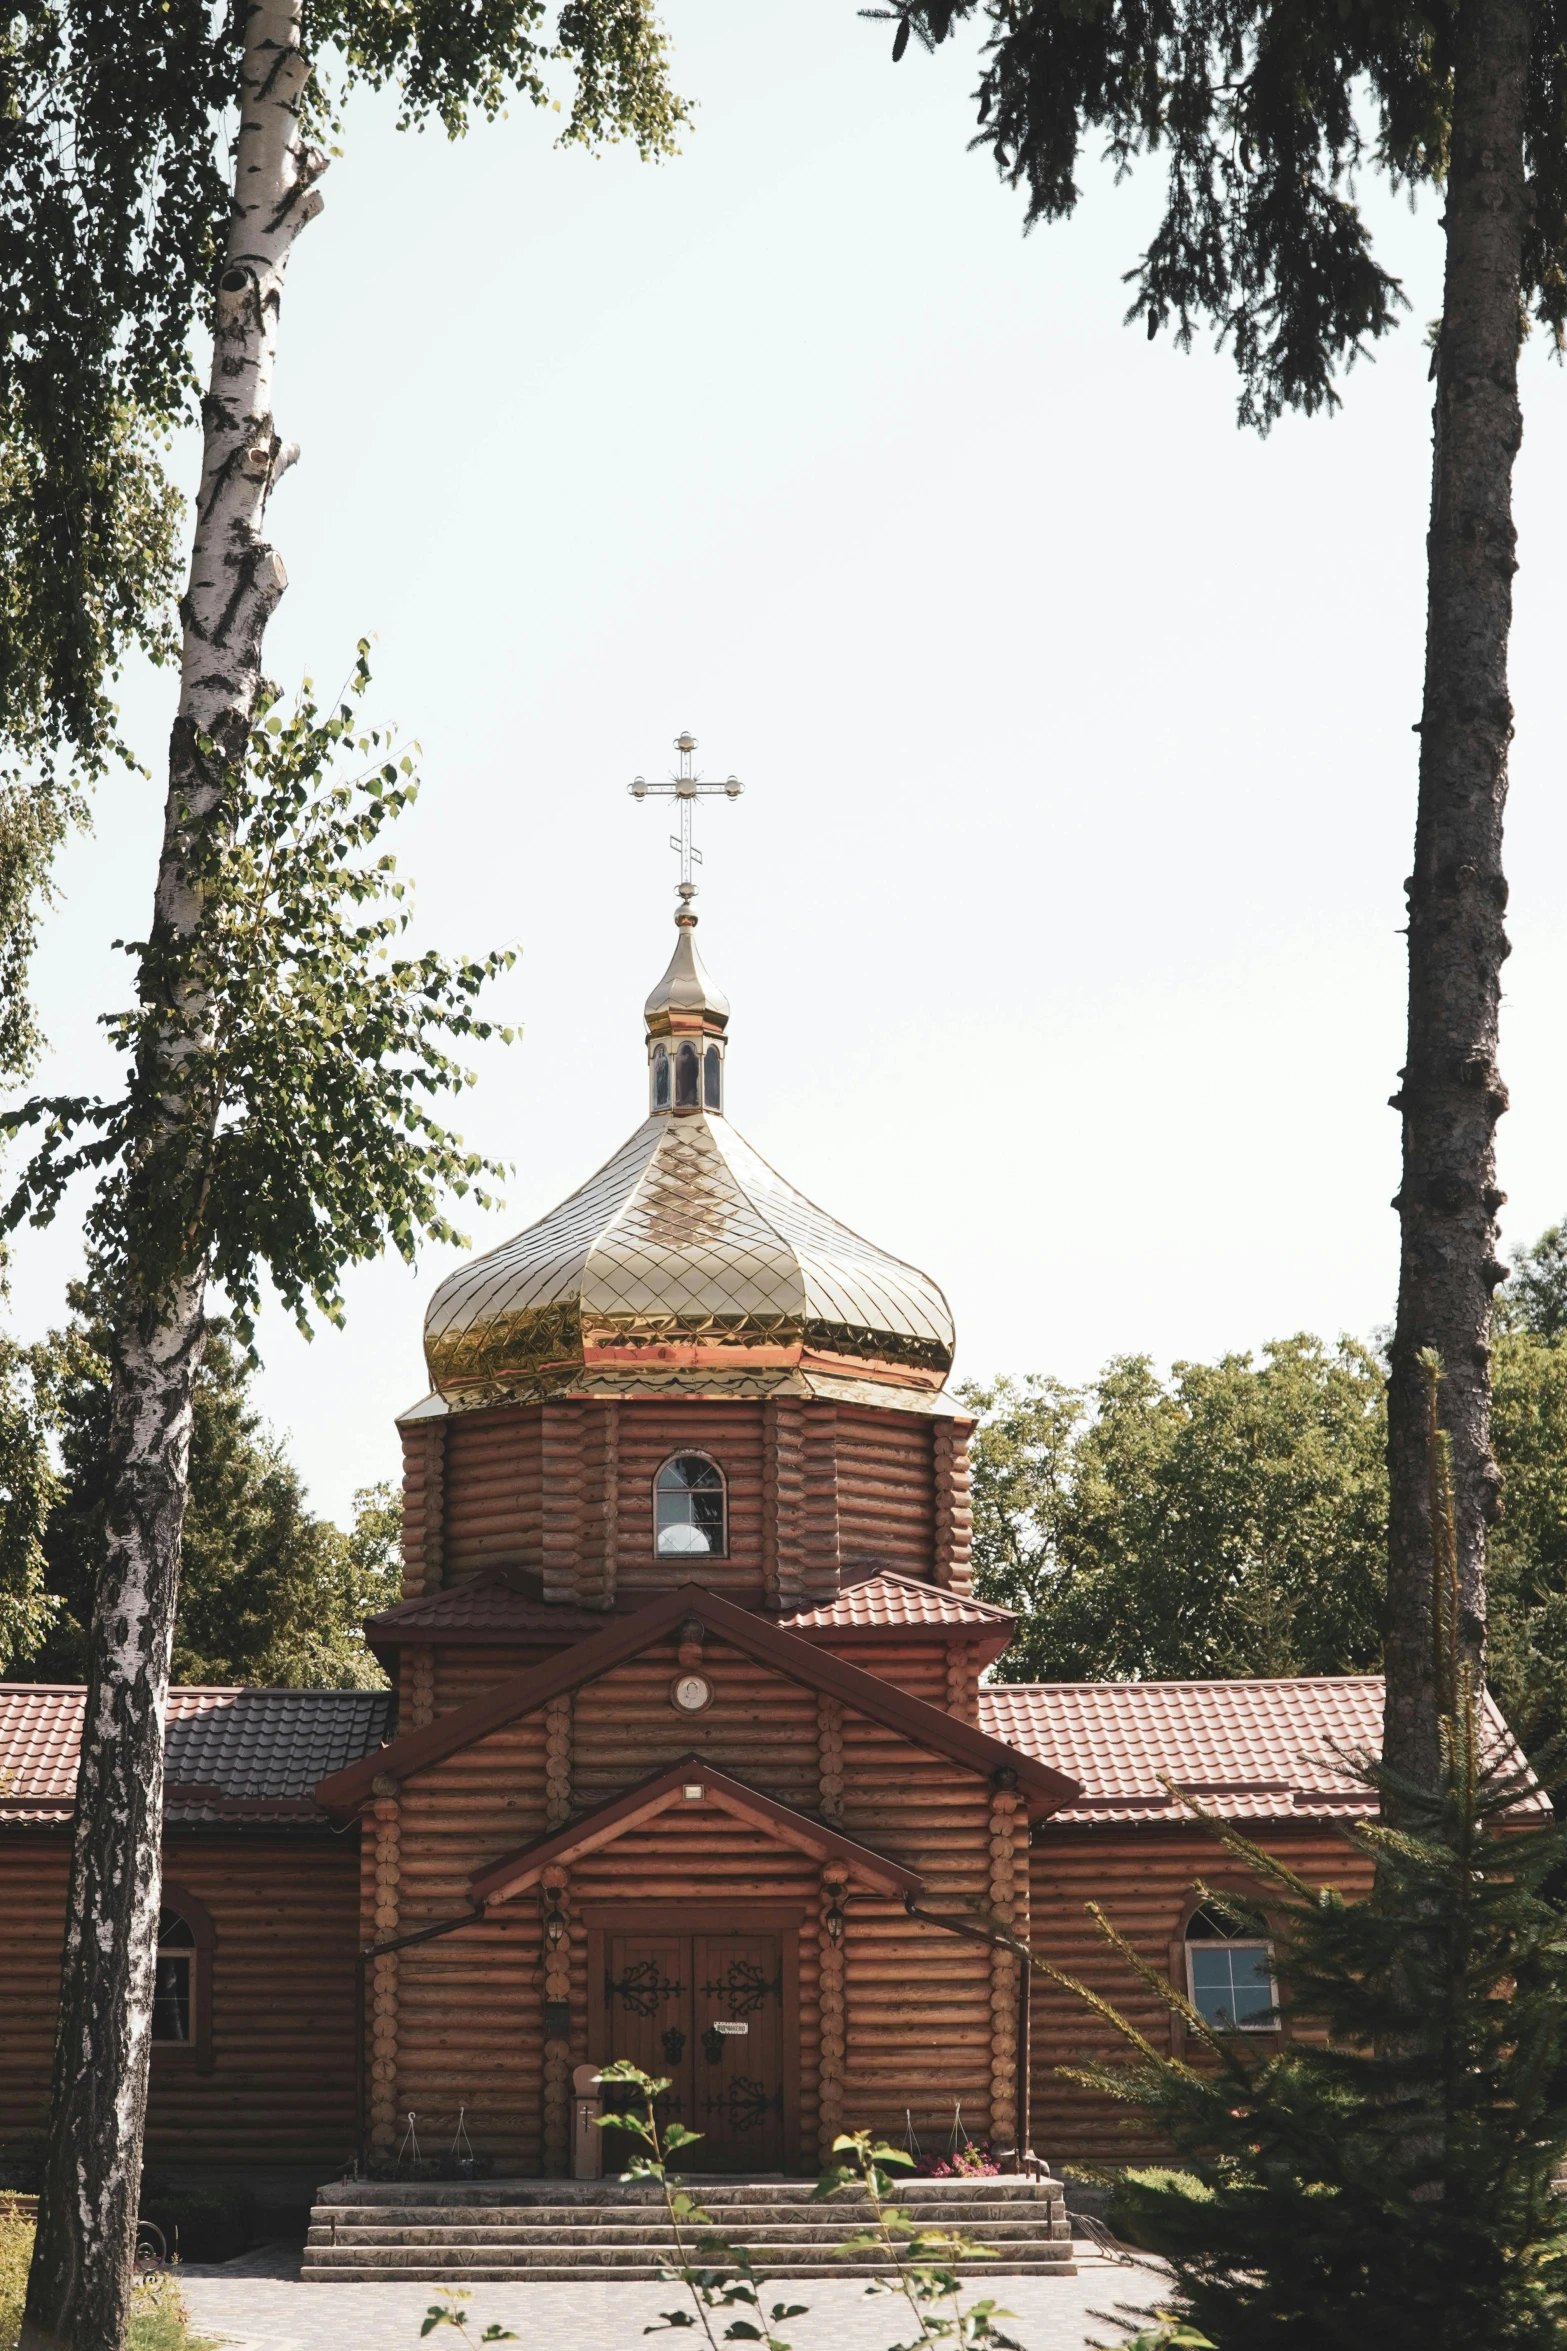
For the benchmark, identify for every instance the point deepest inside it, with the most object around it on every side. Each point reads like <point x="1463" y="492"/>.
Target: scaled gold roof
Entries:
<point x="685" y="1255"/>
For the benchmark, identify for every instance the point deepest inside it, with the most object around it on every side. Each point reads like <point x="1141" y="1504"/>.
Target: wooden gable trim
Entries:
<point x="342" y="1793"/>
<point x="662" y="1793"/>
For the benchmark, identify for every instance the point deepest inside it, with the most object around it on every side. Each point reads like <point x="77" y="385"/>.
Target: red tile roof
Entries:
<point x="233" y="1755"/>
<point x="490" y="1608"/>
<point x="1247" y="1750"/>
<point x="887" y="1602"/>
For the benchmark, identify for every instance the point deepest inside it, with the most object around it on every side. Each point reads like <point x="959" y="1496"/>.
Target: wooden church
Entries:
<point x="688" y="1756"/>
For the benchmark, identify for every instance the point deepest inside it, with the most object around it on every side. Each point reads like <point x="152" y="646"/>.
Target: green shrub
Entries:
<point x="159" y="2319"/>
<point x="1132" y="2192"/>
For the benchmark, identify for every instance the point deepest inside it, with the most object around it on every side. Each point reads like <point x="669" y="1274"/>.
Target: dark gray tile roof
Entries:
<point x="233" y="1755"/>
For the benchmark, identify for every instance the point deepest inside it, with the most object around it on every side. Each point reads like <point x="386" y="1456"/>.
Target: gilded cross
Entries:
<point x="684" y="787"/>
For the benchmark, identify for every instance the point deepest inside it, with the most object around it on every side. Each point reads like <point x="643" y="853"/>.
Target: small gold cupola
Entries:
<point x="686" y="1019"/>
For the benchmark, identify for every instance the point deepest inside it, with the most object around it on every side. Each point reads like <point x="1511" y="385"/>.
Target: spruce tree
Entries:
<point x="1385" y="2174"/>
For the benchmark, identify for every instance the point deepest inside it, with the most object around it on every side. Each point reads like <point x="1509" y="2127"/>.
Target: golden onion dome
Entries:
<point x="686" y="1261"/>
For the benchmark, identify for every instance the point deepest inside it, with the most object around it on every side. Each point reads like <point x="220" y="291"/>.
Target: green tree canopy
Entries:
<point x="1232" y="1521"/>
<point x="29" y="1488"/>
<point x="269" y="1593"/>
<point x="1526" y="1663"/>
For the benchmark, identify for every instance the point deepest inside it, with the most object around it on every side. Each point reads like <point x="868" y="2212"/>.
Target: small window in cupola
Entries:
<point x="713" y="1079"/>
<point x="660" y="1077"/>
<point x="686" y="1097"/>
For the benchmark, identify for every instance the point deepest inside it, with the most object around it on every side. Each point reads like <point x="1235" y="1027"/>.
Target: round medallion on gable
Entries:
<point x="690" y="1692"/>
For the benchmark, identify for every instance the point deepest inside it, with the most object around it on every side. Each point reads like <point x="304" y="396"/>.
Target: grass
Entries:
<point x="159" y="2319"/>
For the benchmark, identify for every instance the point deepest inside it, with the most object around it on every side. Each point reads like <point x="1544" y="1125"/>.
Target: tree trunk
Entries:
<point x="78" y="2288"/>
<point x="1452" y="1092"/>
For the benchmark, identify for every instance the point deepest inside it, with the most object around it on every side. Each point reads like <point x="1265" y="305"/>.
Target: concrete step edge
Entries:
<point x="550" y="2274"/>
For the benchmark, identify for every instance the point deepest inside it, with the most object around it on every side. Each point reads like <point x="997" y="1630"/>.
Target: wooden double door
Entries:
<point x="706" y="2010"/>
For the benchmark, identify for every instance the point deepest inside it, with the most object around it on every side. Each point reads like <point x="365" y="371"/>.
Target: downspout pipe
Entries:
<point x="362" y="1959"/>
<point x="1001" y="1942"/>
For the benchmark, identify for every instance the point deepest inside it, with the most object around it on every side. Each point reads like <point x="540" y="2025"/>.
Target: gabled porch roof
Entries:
<point x="689" y="1786"/>
<point x="799" y="1660"/>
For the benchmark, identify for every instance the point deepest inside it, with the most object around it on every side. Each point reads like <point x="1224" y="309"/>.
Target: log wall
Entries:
<point x="886" y="1489"/>
<point x="732" y="1434"/>
<point x="917" y="2000"/>
<point x="954" y="1531"/>
<point x="920" y="1667"/>
<point x="493" y="1491"/>
<point x="281" y="2088"/>
<point x="424" y="1506"/>
<point x="566" y="1488"/>
<point x="469" y="2008"/>
<point x="899" y="2019"/>
<point x="1143" y="1879"/>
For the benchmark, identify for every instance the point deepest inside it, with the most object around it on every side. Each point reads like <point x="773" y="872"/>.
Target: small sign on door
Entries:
<point x="731" y="2028"/>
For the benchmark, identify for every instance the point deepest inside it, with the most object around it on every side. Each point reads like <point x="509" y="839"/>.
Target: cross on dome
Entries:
<point x="687" y="1260"/>
<point x="685" y="786"/>
<point x="685" y="1016"/>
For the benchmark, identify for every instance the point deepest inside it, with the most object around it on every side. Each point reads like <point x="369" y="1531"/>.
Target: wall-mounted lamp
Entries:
<point x="554" y="1925"/>
<point x="835" y="1922"/>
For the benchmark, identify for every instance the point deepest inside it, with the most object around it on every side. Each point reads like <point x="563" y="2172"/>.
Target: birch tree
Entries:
<point x="1264" y="112"/>
<point x="273" y="1120"/>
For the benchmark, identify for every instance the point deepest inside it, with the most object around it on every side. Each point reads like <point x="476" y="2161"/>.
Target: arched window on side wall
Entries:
<point x="182" y="1986"/>
<point x="1229" y="1973"/>
<point x="690" y="1511"/>
<point x="713" y="1079"/>
<point x="686" y="1097"/>
<point x="660" y="1077"/>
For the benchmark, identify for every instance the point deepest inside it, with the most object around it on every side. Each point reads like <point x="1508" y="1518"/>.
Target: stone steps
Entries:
<point x="517" y="2230"/>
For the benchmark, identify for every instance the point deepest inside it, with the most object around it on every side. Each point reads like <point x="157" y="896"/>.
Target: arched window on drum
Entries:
<point x="690" y="1508"/>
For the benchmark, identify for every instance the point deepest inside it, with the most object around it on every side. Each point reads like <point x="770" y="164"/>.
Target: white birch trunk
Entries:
<point x="79" y="2285"/>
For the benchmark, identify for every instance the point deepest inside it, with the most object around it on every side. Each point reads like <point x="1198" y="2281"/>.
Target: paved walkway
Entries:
<point x="258" y="2304"/>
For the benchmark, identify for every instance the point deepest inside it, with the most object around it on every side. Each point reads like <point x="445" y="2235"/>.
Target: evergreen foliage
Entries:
<point x="270" y="1594"/>
<point x="1390" y="2183"/>
<point x="1265" y="115"/>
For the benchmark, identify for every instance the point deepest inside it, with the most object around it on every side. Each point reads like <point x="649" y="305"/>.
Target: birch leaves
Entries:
<point x="305" y="1137"/>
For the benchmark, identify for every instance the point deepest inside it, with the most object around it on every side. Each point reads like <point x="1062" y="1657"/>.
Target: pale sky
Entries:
<point x="1061" y="915"/>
